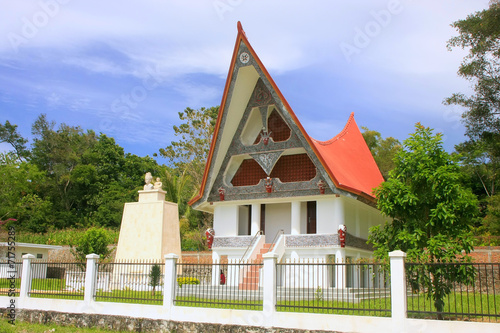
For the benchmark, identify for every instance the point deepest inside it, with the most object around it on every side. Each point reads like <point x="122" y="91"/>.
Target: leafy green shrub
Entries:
<point x="187" y="280"/>
<point x="154" y="277"/>
<point x="94" y="240"/>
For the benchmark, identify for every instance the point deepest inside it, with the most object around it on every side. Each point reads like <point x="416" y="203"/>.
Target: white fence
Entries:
<point x="268" y="317"/>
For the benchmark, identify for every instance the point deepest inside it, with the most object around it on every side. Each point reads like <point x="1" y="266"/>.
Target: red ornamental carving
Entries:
<point x="342" y="232"/>
<point x="265" y="136"/>
<point x="222" y="193"/>
<point x="321" y="186"/>
<point x="210" y="233"/>
<point x="269" y="184"/>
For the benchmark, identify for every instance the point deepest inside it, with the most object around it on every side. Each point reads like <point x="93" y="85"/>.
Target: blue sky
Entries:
<point x="126" y="68"/>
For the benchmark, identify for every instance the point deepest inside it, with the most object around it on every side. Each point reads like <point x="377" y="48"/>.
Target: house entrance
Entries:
<point x="311" y="217"/>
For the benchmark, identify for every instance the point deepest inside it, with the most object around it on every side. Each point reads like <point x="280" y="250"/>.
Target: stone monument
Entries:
<point x="150" y="227"/>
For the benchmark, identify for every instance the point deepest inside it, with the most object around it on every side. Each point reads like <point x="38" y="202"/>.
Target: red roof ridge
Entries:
<point x="344" y="131"/>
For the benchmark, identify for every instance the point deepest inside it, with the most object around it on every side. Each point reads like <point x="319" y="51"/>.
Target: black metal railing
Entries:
<point x="57" y="280"/>
<point x="234" y="285"/>
<point x="454" y="291"/>
<point x="129" y="281"/>
<point x="338" y="288"/>
<point x="10" y="277"/>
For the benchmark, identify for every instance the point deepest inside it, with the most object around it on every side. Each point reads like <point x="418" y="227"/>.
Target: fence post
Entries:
<point x="398" y="290"/>
<point x="169" y="281"/>
<point x="269" y="287"/>
<point x="90" y="278"/>
<point x="26" y="276"/>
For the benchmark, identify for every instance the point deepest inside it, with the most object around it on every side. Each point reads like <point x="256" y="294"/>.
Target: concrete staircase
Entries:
<point x="251" y="273"/>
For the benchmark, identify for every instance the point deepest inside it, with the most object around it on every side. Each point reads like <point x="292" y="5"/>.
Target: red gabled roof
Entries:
<point x="349" y="159"/>
<point x="348" y="167"/>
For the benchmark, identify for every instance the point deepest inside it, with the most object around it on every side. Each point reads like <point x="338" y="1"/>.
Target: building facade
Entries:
<point x="268" y="182"/>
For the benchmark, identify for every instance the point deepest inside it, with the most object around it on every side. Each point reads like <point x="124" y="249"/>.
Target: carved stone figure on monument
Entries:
<point x="158" y="184"/>
<point x="147" y="179"/>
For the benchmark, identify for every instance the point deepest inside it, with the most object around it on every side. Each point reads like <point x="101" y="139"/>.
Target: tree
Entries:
<point x="480" y="33"/>
<point x="9" y="134"/>
<point x="430" y="213"/>
<point x="154" y="277"/>
<point x="383" y="150"/>
<point x="190" y="152"/>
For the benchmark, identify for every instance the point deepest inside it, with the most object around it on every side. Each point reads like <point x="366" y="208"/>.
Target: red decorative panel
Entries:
<point x="249" y="173"/>
<point x="289" y="168"/>
<point x="294" y="168"/>
<point x="278" y="128"/>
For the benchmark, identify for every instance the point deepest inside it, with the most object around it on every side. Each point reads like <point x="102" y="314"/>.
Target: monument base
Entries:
<point x="150" y="228"/>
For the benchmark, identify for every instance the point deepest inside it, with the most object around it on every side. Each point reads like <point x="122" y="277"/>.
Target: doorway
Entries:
<point x="311" y="217"/>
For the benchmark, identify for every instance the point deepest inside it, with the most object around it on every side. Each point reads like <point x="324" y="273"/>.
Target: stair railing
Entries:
<point x="279" y="233"/>
<point x="251" y="243"/>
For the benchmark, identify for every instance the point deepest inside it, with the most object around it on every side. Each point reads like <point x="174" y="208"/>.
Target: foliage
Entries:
<point x="154" y="277"/>
<point x="60" y="237"/>
<point x="187" y="280"/>
<point x="191" y="150"/>
<point x="383" y="150"/>
<point x="429" y="208"/>
<point x="9" y="134"/>
<point x="480" y="33"/>
<point x="94" y="240"/>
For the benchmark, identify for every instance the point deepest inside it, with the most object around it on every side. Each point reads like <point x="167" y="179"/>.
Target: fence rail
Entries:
<point x="463" y="291"/>
<point x="235" y="285"/>
<point x="130" y="282"/>
<point x="340" y="288"/>
<point x="57" y="279"/>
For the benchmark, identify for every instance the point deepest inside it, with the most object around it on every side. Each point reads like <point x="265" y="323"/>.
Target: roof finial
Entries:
<point x="240" y="28"/>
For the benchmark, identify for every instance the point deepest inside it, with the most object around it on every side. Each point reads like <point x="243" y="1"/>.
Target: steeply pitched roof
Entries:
<point x="346" y="158"/>
<point x="350" y="161"/>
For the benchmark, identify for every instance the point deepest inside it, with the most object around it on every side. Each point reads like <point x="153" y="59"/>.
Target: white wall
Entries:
<point x="278" y="216"/>
<point x="225" y="220"/>
<point x="329" y="215"/>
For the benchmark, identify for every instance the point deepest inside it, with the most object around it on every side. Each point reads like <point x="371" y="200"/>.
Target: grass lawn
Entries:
<point x="219" y="304"/>
<point x="24" y="327"/>
<point x="468" y="303"/>
<point x="362" y="308"/>
<point x="130" y="296"/>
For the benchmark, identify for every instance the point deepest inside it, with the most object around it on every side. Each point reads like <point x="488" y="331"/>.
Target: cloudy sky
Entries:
<point x="126" y="68"/>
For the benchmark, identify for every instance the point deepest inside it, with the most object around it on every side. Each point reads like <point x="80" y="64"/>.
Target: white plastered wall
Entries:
<point x="225" y="217"/>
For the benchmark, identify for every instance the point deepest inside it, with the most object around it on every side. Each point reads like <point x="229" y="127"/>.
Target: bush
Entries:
<point x="187" y="280"/>
<point x="94" y="240"/>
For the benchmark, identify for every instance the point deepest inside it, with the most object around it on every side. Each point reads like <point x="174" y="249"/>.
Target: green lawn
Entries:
<point x="457" y="303"/>
<point x="130" y="296"/>
<point x="219" y="304"/>
<point x="362" y="308"/>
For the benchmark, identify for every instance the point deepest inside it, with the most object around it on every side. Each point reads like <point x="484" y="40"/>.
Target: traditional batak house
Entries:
<point x="268" y="182"/>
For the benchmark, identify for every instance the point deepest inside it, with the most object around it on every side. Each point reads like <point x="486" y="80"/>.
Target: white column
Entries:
<point x="295" y="218"/>
<point x="169" y="281"/>
<point x="255" y="219"/>
<point x="398" y="290"/>
<point x="215" y="268"/>
<point x="90" y="278"/>
<point x="340" y="273"/>
<point x="269" y="287"/>
<point x="26" y="276"/>
<point x="338" y="213"/>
